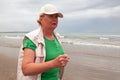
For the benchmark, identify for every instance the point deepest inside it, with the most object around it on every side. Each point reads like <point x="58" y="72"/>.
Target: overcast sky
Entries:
<point x="83" y="16"/>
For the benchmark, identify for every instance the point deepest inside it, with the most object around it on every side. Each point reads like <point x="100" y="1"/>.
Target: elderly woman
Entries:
<point x="42" y="56"/>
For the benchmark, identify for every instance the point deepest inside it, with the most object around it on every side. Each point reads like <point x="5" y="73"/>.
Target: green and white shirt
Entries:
<point x="53" y="49"/>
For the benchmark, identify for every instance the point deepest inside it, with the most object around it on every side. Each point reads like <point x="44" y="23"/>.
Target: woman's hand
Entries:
<point x="61" y="60"/>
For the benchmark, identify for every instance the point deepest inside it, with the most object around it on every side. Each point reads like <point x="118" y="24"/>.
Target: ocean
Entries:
<point x="95" y="44"/>
<point x="101" y="44"/>
<point x="88" y="40"/>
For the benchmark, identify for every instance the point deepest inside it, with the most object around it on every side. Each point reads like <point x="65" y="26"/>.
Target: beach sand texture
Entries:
<point x="85" y="63"/>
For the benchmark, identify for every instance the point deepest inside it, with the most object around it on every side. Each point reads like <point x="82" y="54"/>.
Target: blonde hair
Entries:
<point x="39" y="22"/>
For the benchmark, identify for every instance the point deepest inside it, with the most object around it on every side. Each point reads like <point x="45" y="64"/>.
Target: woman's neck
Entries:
<point x="49" y="34"/>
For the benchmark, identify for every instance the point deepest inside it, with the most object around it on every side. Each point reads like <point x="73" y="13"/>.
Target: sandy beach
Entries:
<point x="85" y="63"/>
<point x="7" y="68"/>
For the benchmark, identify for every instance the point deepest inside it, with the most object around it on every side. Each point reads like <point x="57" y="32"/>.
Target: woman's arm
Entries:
<point x="29" y="67"/>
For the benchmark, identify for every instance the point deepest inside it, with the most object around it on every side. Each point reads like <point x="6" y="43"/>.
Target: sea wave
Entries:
<point x="96" y="41"/>
<point x="11" y="41"/>
<point x="103" y="42"/>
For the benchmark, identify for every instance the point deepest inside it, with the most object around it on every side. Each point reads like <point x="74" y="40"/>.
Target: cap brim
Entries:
<point x="59" y="14"/>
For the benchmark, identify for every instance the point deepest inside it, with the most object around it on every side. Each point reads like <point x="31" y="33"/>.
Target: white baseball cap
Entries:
<point x="50" y="9"/>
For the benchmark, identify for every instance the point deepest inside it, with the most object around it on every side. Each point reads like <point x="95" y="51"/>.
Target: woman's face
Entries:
<point x="49" y="21"/>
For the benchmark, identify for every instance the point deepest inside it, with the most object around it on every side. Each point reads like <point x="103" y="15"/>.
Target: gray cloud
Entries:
<point x="80" y="15"/>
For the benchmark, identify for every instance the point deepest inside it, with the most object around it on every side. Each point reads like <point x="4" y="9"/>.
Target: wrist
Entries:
<point x="52" y="64"/>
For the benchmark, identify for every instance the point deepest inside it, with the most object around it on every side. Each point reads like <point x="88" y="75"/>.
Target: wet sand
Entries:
<point x="88" y="65"/>
<point x="8" y="63"/>
<point x="83" y="65"/>
<point x="7" y="68"/>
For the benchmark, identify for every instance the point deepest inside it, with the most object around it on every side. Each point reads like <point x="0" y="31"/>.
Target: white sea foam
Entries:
<point x="97" y="45"/>
<point x="13" y="37"/>
<point x="97" y="41"/>
<point x="104" y="38"/>
<point x="11" y="41"/>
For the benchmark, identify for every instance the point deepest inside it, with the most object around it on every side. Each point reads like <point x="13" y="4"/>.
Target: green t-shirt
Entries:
<point x="53" y="49"/>
<point x="29" y="44"/>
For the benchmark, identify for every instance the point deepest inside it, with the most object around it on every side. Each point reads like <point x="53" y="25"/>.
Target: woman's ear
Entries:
<point x="41" y="17"/>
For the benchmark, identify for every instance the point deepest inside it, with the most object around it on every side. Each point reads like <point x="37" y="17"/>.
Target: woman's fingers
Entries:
<point x="63" y="59"/>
